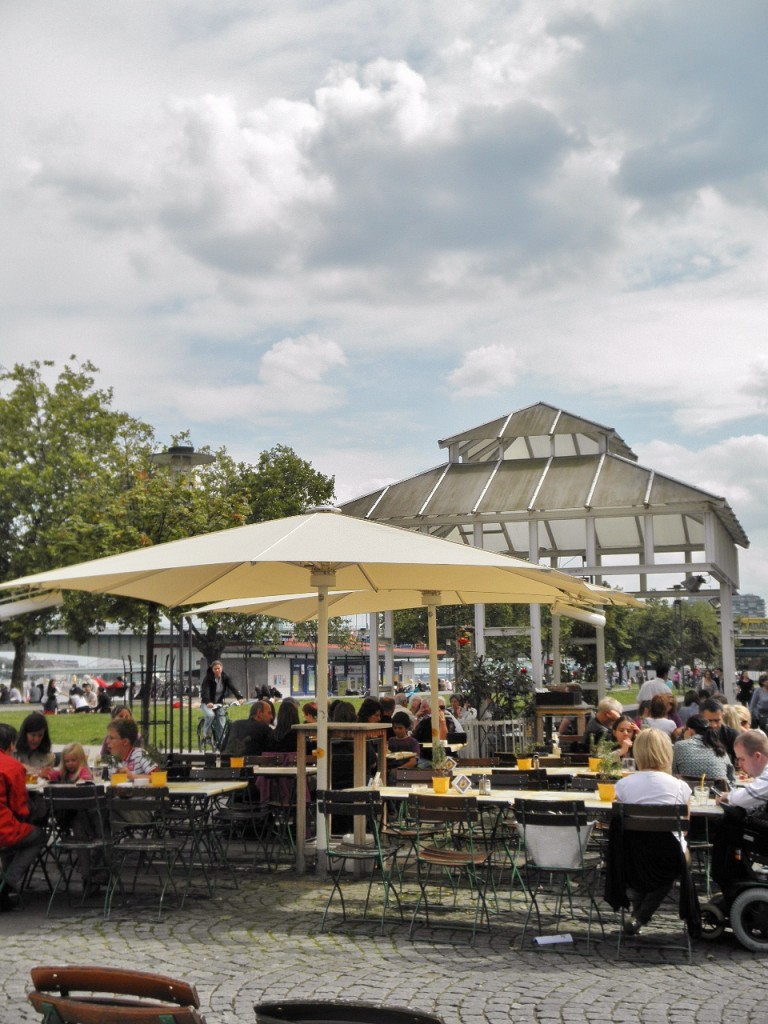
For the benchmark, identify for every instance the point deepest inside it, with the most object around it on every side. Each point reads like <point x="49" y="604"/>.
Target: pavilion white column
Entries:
<point x="389" y="652"/>
<point x="373" y="653"/>
<point x="477" y="541"/>
<point x="727" y="641"/>
<point x="600" y="660"/>
<point x="535" y="609"/>
<point x="556" y="666"/>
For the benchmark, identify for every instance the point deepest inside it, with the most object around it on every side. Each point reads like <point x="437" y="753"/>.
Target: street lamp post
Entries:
<point x="180" y="460"/>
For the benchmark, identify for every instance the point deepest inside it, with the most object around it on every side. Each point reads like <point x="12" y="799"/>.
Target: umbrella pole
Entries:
<point x="430" y="600"/>
<point x="323" y="582"/>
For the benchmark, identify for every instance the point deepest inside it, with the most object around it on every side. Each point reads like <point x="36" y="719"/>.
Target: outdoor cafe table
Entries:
<point x="359" y="733"/>
<point x="591" y="801"/>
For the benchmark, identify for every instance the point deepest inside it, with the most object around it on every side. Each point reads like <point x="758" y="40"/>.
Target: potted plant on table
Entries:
<point x="441" y="768"/>
<point x="159" y="774"/>
<point x="525" y="758"/>
<point x="609" y="769"/>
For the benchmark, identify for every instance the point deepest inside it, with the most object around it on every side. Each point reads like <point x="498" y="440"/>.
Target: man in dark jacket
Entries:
<point x="215" y="687"/>
<point x="251" y="735"/>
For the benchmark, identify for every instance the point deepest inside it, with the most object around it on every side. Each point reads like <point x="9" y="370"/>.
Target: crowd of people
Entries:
<point x="707" y="742"/>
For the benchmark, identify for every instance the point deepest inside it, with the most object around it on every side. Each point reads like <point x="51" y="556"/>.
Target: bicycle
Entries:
<point x="215" y="739"/>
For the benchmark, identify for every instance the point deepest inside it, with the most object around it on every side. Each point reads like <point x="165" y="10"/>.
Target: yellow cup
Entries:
<point x="606" y="791"/>
<point x="441" y="784"/>
<point x="158" y="778"/>
<point x="118" y="778"/>
<point x="31" y="780"/>
<point x="594" y="764"/>
<point x="237" y="762"/>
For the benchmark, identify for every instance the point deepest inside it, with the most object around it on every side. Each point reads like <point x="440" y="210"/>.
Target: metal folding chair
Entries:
<point x="464" y="855"/>
<point x="344" y="852"/>
<point x="558" y="865"/>
<point x="79" y="817"/>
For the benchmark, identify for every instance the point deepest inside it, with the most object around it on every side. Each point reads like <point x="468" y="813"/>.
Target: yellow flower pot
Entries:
<point x="606" y="791"/>
<point x="237" y="762"/>
<point x="525" y="764"/>
<point x="441" y="784"/>
<point x="594" y="764"/>
<point x="158" y="778"/>
<point x="118" y="778"/>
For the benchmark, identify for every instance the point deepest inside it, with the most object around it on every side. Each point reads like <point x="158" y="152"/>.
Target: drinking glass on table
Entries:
<point x="628" y="764"/>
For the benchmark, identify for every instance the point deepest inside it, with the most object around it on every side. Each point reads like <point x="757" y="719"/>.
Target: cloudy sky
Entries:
<point x="358" y="226"/>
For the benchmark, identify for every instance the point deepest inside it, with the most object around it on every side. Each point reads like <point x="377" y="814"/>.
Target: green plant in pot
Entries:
<point x="609" y="767"/>
<point x="441" y="767"/>
<point x="525" y="756"/>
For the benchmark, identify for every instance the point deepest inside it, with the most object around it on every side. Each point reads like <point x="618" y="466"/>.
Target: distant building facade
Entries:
<point x="748" y="606"/>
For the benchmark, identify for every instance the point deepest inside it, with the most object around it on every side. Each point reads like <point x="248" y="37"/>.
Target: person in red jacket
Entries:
<point x="20" y="841"/>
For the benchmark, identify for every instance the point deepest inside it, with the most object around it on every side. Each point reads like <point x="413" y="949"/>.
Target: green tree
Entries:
<point x="63" y="451"/>
<point x="283" y="484"/>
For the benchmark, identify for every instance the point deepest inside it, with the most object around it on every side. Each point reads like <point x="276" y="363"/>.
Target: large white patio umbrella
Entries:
<point x="320" y="551"/>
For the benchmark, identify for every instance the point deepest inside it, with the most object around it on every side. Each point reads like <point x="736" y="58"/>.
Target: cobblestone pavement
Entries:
<point x="262" y="942"/>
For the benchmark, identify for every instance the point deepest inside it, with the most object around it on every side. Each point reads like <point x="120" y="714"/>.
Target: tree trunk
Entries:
<point x="20" y="646"/>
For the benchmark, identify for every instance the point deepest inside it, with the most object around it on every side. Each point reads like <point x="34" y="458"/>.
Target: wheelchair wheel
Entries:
<point x="749" y="919"/>
<point x="712" y="921"/>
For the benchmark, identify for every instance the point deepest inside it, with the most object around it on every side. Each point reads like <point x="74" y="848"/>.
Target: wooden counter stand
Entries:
<point x="359" y="733"/>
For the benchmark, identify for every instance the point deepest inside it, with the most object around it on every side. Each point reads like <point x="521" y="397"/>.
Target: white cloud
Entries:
<point x="562" y="201"/>
<point x="485" y="371"/>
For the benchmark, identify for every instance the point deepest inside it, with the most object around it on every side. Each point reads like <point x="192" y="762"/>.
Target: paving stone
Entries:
<point x="262" y="943"/>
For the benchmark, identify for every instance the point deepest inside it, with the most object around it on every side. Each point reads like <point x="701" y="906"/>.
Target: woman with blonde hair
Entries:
<point x="737" y="717"/>
<point x="652" y="783"/>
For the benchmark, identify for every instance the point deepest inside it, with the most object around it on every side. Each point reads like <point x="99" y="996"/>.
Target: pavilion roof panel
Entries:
<point x="620" y="484"/>
<point x="512" y="487"/>
<point x="567" y="483"/>
<point x="461" y="488"/>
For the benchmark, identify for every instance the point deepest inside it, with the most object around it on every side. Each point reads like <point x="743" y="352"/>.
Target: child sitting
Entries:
<point x="74" y="766"/>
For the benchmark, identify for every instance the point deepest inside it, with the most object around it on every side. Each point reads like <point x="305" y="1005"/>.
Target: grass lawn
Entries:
<point x="90" y="729"/>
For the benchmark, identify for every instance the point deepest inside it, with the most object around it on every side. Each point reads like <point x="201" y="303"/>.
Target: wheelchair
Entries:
<point x="744" y="907"/>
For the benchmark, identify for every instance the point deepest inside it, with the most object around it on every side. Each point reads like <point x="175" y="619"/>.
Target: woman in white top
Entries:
<point x="652" y="783"/>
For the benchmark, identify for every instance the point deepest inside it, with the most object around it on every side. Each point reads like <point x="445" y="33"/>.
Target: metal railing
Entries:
<point x="486" y="737"/>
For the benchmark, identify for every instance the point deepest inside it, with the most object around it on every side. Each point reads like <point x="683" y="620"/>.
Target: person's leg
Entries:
<point x="209" y="716"/>
<point x="727" y="864"/>
<point x="18" y="858"/>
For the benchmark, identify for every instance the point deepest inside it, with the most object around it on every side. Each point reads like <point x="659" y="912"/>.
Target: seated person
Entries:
<point x="284" y="737"/>
<point x="122" y="740"/>
<point x="309" y="710"/>
<point x="123" y="712"/>
<point x="651" y="861"/>
<point x="78" y="703"/>
<point x="251" y="736"/>
<point x="342" y="760"/>
<point x="20" y="841"/>
<point x="402" y="742"/>
<point x="657" y="719"/>
<point x="447" y="726"/>
<point x="33" y="745"/>
<point x="728" y="867"/>
<point x="599" y="725"/>
<point x="74" y="766"/>
<point x="700" y="752"/>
